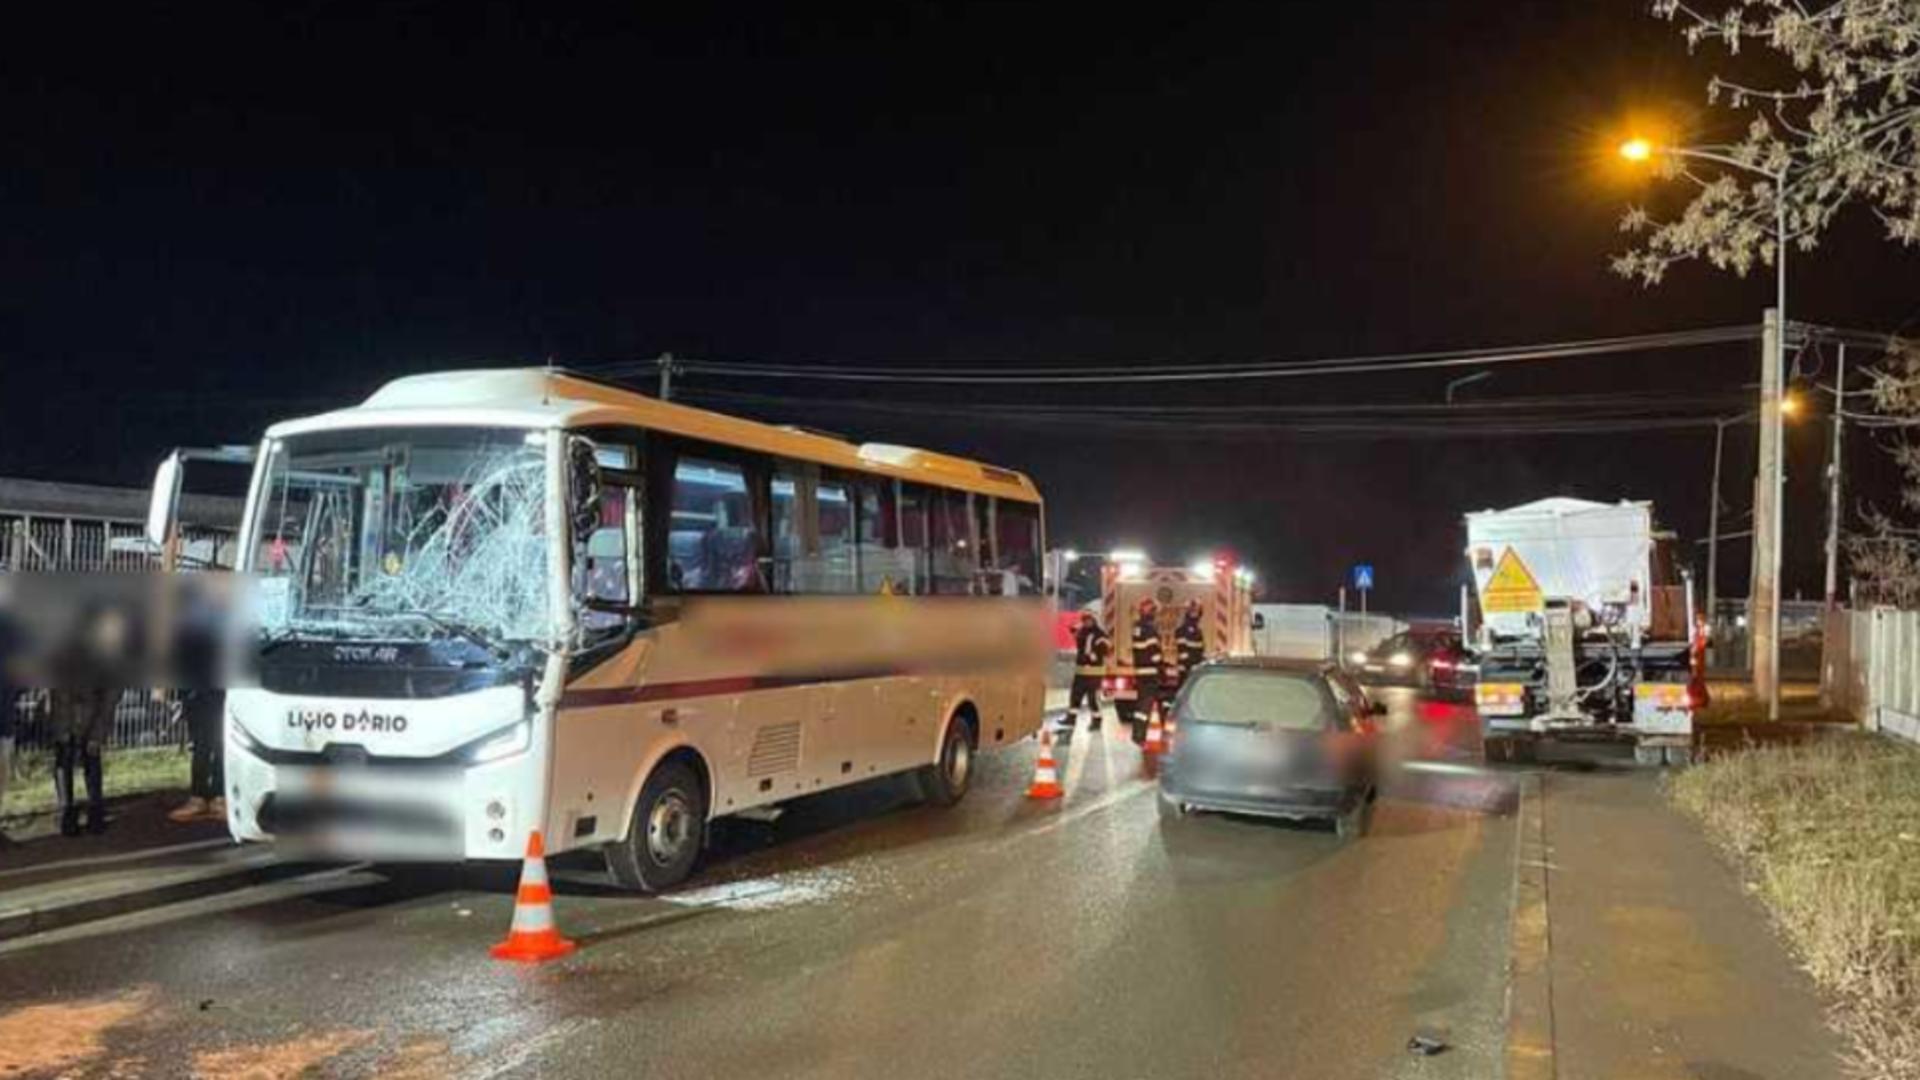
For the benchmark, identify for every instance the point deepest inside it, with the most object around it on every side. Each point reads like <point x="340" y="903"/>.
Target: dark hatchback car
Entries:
<point x="1429" y="660"/>
<point x="1273" y="738"/>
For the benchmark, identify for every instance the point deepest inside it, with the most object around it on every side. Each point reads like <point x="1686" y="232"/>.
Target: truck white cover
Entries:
<point x="1600" y="554"/>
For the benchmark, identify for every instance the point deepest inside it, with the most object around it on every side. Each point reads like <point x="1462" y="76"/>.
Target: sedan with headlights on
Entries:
<point x="1273" y="738"/>
<point x="1432" y="660"/>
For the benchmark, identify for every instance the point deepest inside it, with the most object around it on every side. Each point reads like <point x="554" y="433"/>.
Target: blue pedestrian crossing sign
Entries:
<point x="1363" y="576"/>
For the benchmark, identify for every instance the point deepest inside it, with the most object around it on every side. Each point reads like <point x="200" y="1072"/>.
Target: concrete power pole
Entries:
<point x="1763" y="607"/>
<point x="1834" y="471"/>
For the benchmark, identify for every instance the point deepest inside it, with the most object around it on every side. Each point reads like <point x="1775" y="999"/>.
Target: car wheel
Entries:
<point x="945" y="782"/>
<point x="668" y="828"/>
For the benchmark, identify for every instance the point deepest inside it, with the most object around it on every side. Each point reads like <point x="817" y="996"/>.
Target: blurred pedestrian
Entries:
<point x="195" y="668"/>
<point x="1091" y="647"/>
<point x="82" y="713"/>
<point x="200" y="709"/>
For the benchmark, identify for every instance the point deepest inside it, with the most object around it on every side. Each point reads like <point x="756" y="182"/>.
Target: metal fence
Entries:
<point x="1871" y="669"/>
<point x="44" y="543"/>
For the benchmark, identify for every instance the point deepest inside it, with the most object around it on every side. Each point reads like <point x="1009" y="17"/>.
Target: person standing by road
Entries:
<point x="1091" y="648"/>
<point x="82" y="714"/>
<point x="202" y="705"/>
<point x="1189" y="645"/>
<point x="1149" y="664"/>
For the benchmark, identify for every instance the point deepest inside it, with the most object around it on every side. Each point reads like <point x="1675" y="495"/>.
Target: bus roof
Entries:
<point x="545" y="398"/>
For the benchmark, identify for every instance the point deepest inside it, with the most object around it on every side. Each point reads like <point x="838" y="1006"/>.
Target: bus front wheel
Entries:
<point x="668" y="828"/>
<point x="944" y="782"/>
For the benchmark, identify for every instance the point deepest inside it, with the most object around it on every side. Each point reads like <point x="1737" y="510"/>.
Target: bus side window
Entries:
<point x="951" y="544"/>
<point x="789" y="542"/>
<point x="712" y="545"/>
<point x="884" y="563"/>
<point x="1017" y="545"/>
<point x="835" y="572"/>
<point x="603" y="572"/>
<point x="915" y="540"/>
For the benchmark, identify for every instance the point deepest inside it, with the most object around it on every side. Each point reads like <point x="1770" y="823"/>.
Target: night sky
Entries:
<point x="218" y="216"/>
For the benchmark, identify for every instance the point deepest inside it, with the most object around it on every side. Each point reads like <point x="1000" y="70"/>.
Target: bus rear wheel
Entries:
<point x="945" y="782"/>
<point x="668" y="828"/>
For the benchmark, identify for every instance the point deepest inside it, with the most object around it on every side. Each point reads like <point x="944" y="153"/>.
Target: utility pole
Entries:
<point x="1834" y="470"/>
<point x="665" y="363"/>
<point x="1713" y="521"/>
<point x="1763" y="607"/>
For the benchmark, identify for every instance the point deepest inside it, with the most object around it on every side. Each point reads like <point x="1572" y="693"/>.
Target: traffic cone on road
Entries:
<point x="1156" y="734"/>
<point x="1046" y="775"/>
<point x="533" y="937"/>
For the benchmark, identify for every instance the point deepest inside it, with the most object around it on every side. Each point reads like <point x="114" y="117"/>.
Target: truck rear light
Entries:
<point x="1500" y="693"/>
<point x="1666" y="695"/>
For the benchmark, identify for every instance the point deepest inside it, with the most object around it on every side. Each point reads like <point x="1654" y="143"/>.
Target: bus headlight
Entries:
<point x="507" y="743"/>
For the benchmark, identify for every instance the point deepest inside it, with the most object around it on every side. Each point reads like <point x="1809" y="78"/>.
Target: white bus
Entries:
<point x="496" y="602"/>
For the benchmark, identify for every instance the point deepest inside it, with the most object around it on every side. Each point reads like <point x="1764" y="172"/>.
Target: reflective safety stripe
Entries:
<point x="532" y="918"/>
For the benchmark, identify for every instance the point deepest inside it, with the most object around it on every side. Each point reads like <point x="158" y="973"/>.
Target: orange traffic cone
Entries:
<point x="533" y="937"/>
<point x="1156" y="734"/>
<point x="1046" y="775"/>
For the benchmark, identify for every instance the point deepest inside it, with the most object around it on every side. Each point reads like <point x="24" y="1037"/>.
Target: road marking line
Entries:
<point x="1530" y="1037"/>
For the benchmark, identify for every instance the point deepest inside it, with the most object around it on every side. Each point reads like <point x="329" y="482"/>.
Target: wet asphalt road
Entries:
<point x="863" y="935"/>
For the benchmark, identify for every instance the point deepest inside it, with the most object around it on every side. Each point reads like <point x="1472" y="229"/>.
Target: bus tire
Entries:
<point x="664" y="838"/>
<point x="945" y="782"/>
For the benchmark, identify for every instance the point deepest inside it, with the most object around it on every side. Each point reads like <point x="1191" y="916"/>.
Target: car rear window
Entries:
<point x="1259" y="699"/>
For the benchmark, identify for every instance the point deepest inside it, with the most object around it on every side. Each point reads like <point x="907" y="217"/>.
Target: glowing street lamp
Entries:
<point x="1640" y="150"/>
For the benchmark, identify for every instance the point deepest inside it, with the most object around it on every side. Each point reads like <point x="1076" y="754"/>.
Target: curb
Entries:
<point x="1529" y="1045"/>
<point x="27" y="920"/>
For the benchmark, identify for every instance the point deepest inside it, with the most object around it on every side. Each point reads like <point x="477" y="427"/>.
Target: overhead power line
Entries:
<point x="1166" y="373"/>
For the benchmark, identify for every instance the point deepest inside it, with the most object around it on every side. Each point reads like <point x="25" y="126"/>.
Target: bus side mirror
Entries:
<point x="164" y="502"/>
<point x="583" y="487"/>
<point x="1259" y="621"/>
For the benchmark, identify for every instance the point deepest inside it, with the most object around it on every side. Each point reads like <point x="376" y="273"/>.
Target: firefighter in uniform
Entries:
<point x="1091" y="648"/>
<point x="1149" y="663"/>
<point x="1189" y="644"/>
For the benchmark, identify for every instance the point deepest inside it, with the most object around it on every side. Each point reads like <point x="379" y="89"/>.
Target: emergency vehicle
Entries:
<point x="1225" y="593"/>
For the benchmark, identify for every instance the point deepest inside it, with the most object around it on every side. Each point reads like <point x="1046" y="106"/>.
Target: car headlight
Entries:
<point x="1357" y="657"/>
<point x="1400" y="659"/>
<point x="512" y="741"/>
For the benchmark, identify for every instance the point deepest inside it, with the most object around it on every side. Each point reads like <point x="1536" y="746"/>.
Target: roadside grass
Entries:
<point x="127" y="772"/>
<point x="1828" y="834"/>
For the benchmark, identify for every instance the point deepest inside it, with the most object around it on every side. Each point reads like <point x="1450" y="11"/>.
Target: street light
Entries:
<point x="1773" y="368"/>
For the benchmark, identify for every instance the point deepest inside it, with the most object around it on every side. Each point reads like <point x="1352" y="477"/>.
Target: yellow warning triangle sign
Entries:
<point x="1512" y="588"/>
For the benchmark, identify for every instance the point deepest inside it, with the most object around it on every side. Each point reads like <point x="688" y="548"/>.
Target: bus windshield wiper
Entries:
<point x="468" y="632"/>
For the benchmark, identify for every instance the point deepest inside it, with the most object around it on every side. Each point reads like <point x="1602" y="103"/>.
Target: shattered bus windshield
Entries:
<point x="404" y="534"/>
